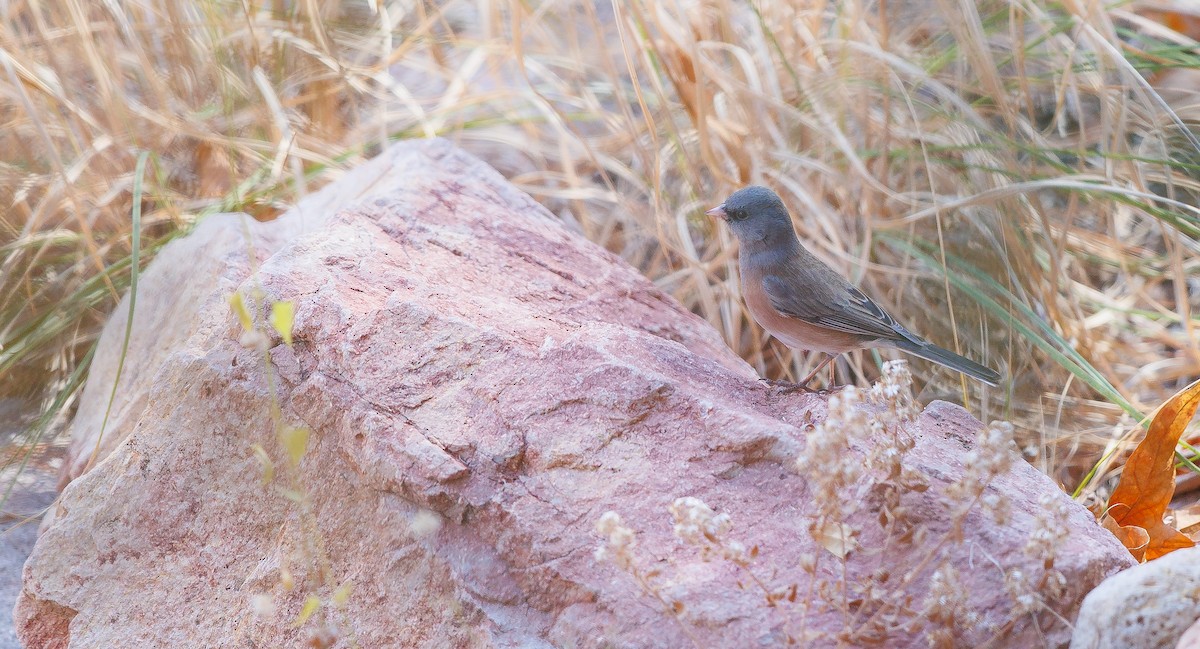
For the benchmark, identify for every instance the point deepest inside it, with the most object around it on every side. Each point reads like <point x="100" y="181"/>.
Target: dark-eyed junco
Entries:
<point x="805" y="303"/>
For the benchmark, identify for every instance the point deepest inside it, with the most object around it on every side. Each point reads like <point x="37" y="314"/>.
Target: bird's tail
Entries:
<point x="931" y="352"/>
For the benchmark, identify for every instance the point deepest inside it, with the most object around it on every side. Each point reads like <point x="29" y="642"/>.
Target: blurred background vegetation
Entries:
<point x="1015" y="180"/>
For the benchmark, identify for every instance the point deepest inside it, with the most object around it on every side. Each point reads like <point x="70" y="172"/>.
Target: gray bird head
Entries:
<point x="756" y="214"/>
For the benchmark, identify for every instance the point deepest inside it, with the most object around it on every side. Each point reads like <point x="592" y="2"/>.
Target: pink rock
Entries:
<point x="458" y="352"/>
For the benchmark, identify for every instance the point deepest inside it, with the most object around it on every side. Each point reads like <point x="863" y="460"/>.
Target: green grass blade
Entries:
<point x="136" y="244"/>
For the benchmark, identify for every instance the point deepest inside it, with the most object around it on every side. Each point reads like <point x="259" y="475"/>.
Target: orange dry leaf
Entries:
<point x="1179" y="19"/>
<point x="1136" y="507"/>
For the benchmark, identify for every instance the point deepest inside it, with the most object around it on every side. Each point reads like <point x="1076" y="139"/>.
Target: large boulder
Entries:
<point x="469" y="390"/>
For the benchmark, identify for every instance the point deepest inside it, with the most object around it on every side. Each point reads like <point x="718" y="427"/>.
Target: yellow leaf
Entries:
<point x="292" y="495"/>
<point x="310" y="606"/>
<point x="268" y="467"/>
<point x="283" y="316"/>
<point x="243" y="314"/>
<point x="838" y="538"/>
<point x="342" y="594"/>
<point x="1148" y="479"/>
<point x="295" y="442"/>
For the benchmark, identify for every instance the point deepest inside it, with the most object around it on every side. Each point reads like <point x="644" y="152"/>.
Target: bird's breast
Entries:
<point x="793" y="332"/>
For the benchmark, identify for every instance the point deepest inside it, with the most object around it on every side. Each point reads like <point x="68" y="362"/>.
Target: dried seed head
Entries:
<point x="619" y="540"/>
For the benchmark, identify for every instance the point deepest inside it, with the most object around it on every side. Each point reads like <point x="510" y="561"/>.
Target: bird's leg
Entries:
<point x="786" y="387"/>
<point x="813" y="374"/>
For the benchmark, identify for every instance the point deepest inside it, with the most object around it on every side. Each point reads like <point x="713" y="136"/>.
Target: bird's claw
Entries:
<point x="787" y="387"/>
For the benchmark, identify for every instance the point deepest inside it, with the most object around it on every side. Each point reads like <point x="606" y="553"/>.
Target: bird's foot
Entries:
<point x="787" y="387"/>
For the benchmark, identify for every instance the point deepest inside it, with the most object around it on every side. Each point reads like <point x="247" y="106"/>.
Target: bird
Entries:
<point x="808" y="305"/>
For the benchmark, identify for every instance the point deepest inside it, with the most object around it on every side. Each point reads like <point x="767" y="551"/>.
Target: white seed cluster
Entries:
<point x="946" y="607"/>
<point x="993" y="455"/>
<point x="827" y="460"/>
<point x="894" y="389"/>
<point x="619" y="540"/>
<point x="697" y="524"/>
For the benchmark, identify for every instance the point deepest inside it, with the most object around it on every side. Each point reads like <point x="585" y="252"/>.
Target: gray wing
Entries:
<point x="833" y="304"/>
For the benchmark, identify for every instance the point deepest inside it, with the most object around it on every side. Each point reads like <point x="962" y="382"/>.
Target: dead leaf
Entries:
<point x="214" y="171"/>
<point x="1134" y="538"/>
<point x="838" y="538"/>
<point x="1179" y="18"/>
<point x="1165" y="539"/>
<point x="1148" y="481"/>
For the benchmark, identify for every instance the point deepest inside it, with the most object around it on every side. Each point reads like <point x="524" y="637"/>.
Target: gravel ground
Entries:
<point x="33" y="492"/>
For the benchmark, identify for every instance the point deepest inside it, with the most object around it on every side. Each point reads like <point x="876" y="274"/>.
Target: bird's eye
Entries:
<point x="736" y="215"/>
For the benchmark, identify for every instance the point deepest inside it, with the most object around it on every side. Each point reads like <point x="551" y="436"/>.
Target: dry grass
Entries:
<point x="1024" y="149"/>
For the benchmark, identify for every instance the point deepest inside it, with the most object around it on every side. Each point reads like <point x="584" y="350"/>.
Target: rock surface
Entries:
<point x="481" y="386"/>
<point x="1190" y="638"/>
<point x="1145" y="607"/>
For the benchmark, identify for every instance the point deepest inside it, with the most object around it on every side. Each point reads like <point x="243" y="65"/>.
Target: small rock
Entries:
<point x="1190" y="638"/>
<point x="1145" y="607"/>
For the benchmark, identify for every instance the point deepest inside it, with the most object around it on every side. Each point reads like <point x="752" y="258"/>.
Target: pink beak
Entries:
<point x="719" y="211"/>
